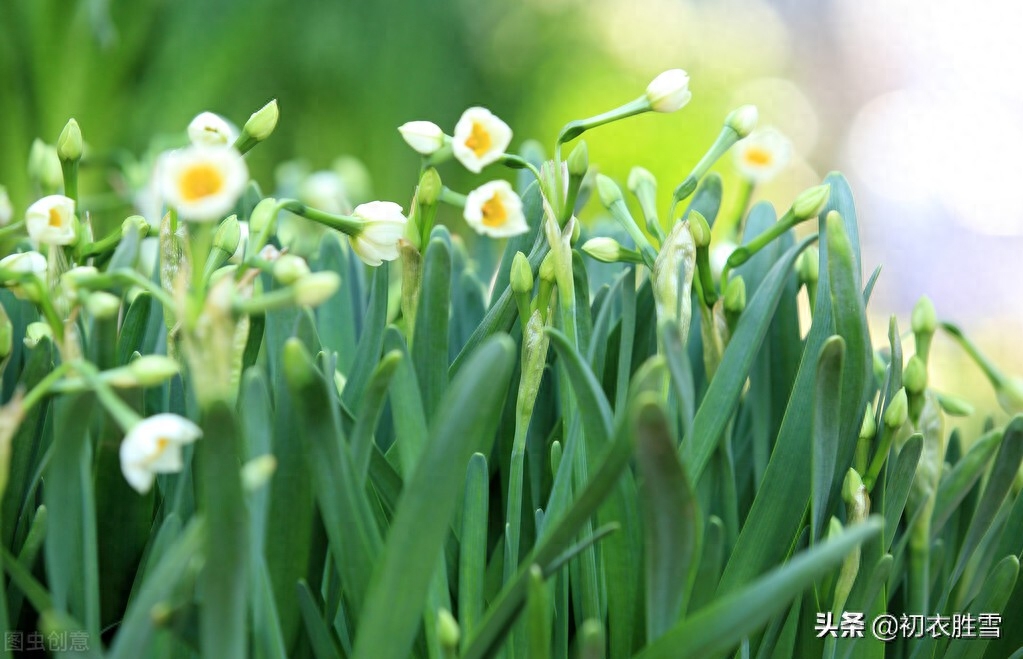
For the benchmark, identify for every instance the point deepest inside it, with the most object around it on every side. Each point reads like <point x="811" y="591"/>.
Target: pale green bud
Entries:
<point x="44" y="165"/>
<point x="640" y="178"/>
<point x="735" y="295"/>
<point x="608" y="190"/>
<point x="579" y="160"/>
<point x="547" y="268"/>
<point x="151" y="370"/>
<point x="102" y="305"/>
<point x="925" y="318"/>
<point x="851" y="486"/>
<point x="257" y="472"/>
<point x="914" y="378"/>
<point x="36" y="332"/>
<point x="315" y="289"/>
<point x="262" y="122"/>
<point x="743" y="120"/>
<point x="69" y="144"/>
<point x="869" y="427"/>
<point x="6" y="209"/>
<point x="289" y="268"/>
<point x="954" y="406"/>
<point x="1009" y="393"/>
<point x="808" y="266"/>
<point x="811" y="202"/>
<point x="136" y="221"/>
<point x="607" y="250"/>
<point x="263" y="215"/>
<point x="898" y="410"/>
<point x="700" y="229"/>
<point x="6" y="334"/>
<point x="430" y="187"/>
<point x="228" y="235"/>
<point x="521" y="275"/>
<point x="448" y="632"/>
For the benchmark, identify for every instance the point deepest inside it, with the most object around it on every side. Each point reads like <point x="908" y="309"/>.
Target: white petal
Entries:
<point x="499" y="133"/>
<point x="140" y="479"/>
<point x="39" y="216"/>
<point x="209" y="129"/>
<point x="209" y="207"/>
<point x="424" y="137"/>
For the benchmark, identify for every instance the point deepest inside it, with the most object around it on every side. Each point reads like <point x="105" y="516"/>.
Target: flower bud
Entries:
<point x="36" y="332"/>
<point x="608" y="190"/>
<point x="954" y="406"/>
<point x="743" y="120"/>
<point x="257" y="472"/>
<point x="851" y="486"/>
<point x="263" y="215"/>
<point x="521" y="275"/>
<point x="289" y="268"/>
<point x="262" y="122"/>
<point x="669" y="91"/>
<point x="924" y="317"/>
<point x="869" y="427"/>
<point x="735" y="295"/>
<point x="209" y="129"/>
<point x="546" y="271"/>
<point x="640" y="179"/>
<point x="811" y="202"/>
<point x="808" y="266"/>
<point x="44" y="166"/>
<point x="6" y="334"/>
<point x="914" y="378"/>
<point x="6" y="210"/>
<point x="898" y="410"/>
<point x="699" y="228"/>
<point x="430" y="187"/>
<point x="448" y="632"/>
<point x="315" y="289"/>
<point x="151" y="370"/>
<point x="607" y="250"/>
<point x="102" y="305"/>
<point x="228" y="235"/>
<point x="69" y="144"/>
<point x="1009" y="393"/>
<point x="136" y="221"/>
<point x="424" y="137"/>
<point x="579" y="160"/>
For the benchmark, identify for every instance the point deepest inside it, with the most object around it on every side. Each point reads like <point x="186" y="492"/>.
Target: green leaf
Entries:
<point x="410" y="427"/>
<point x="369" y="412"/>
<point x="671" y="522"/>
<point x="370" y="341"/>
<point x="430" y="342"/>
<point x="707" y="198"/>
<point x="324" y="644"/>
<point x="826" y="429"/>
<point x="899" y="484"/>
<point x="472" y="555"/>
<point x="723" y="624"/>
<point x="957" y="483"/>
<point x="725" y="388"/>
<point x="594" y="410"/>
<point x="992" y="599"/>
<point x="335" y="318"/>
<point x="705" y="580"/>
<point x="421" y="522"/>
<point x="538" y="616"/>
<point x="133" y="329"/>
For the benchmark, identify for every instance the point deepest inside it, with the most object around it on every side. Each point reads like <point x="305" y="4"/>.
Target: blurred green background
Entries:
<point x="849" y="82"/>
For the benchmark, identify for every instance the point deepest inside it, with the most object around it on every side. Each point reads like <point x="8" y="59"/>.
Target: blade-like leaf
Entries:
<point x="825" y="429"/>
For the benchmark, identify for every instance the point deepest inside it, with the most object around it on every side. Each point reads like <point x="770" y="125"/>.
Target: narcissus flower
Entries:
<point x="384" y="226"/>
<point x="669" y="91"/>
<point x="424" y="137"/>
<point x="480" y="139"/>
<point x="493" y="209"/>
<point x="6" y="210"/>
<point x="209" y="129"/>
<point x="203" y="183"/>
<point x="25" y="263"/>
<point x="762" y="155"/>
<point x="51" y="220"/>
<point x="153" y="446"/>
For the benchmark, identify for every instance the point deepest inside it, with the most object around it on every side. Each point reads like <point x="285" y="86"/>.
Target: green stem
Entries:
<point x="105" y="244"/>
<point x="122" y="413"/>
<point x="621" y="213"/>
<point x="452" y="198"/>
<point x="883" y="448"/>
<point x="346" y="224"/>
<point x="993" y="374"/>
<point x="12" y="229"/>
<point x="42" y="388"/>
<point x="574" y="129"/>
<point x="709" y="294"/>
<point x="69" y="168"/>
<point x="726" y="138"/>
<point x="515" y="162"/>
<point x="133" y="278"/>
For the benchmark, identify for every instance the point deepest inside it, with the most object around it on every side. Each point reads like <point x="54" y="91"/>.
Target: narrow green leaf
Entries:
<point x="594" y="410"/>
<point x="335" y="318"/>
<point x="538" y="615"/>
<point x="324" y="644"/>
<point x="723" y="624"/>
<point x="704" y="581"/>
<point x="133" y="329"/>
<point x="957" y="483"/>
<point x="681" y="371"/>
<point x="993" y="597"/>
<point x="370" y="341"/>
<point x="421" y="522"/>
<point x="899" y="484"/>
<point x="826" y="430"/>
<point x="430" y="342"/>
<point x="707" y="198"/>
<point x="473" y="552"/>
<point x="671" y="522"/>
<point x="369" y="412"/>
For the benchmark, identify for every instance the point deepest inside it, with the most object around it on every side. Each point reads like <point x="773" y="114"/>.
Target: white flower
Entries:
<point x="153" y="446"/>
<point x="6" y="211"/>
<point x="202" y="182"/>
<point x="208" y="129"/>
<point x="384" y="227"/>
<point x="424" y="137"/>
<point x="669" y="91"/>
<point x="762" y="155"/>
<point x="493" y="209"/>
<point x="25" y="263"/>
<point x="480" y="139"/>
<point x="51" y="220"/>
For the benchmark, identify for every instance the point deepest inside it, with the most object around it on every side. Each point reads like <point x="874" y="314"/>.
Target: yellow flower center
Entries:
<point x="55" y="219"/>
<point x="758" y="156"/>
<point x="200" y="181"/>
<point x="479" y="139"/>
<point x="162" y="443"/>
<point x="494" y="212"/>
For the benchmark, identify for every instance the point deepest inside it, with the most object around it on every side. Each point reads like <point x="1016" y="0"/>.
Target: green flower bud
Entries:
<point x="808" y="266"/>
<point x="640" y="179"/>
<point x="869" y="427"/>
<point x="686" y="188"/>
<point x="607" y="250"/>
<point x="44" y="166"/>
<point x="289" y="268"/>
<point x="811" y="202"/>
<point x="448" y="632"/>
<point x="743" y="120"/>
<point x="851" y="486"/>
<point x="547" y="268"/>
<point x="925" y="318"/>
<point x="1009" y="393"/>
<point x="521" y="275"/>
<point x="263" y="121"/>
<point x="898" y="410"/>
<point x="608" y="190"/>
<point x="914" y="378"/>
<point x="228" y="235"/>
<point x="257" y="472"/>
<point x="6" y="210"/>
<point x="700" y="229"/>
<point x="263" y="215"/>
<point x="69" y="144"/>
<point x="36" y="332"/>
<point x="954" y="406"/>
<point x="430" y="187"/>
<point x="6" y="334"/>
<point x="103" y="305"/>
<point x="136" y="221"/>
<point x="315" y="289"/>
<point x="735" y="295"/>
<point x="151" y="370"/>
<point x="579" y="160"/>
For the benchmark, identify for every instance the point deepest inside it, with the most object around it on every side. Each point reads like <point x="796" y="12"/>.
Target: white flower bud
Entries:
<point x="424" y="137"/>
<point x="669" y="91"/>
